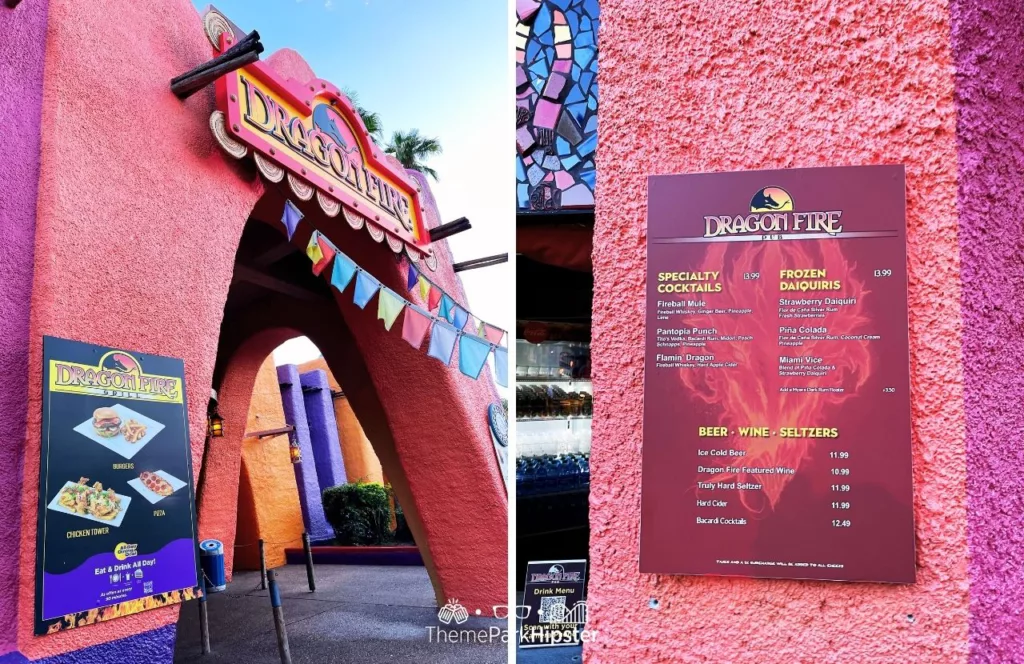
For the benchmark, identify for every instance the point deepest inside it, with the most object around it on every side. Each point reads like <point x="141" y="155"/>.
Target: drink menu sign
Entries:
<point x="777" y="390"/>
<point x="117" y="524"/>
<point x="554" y="610"/>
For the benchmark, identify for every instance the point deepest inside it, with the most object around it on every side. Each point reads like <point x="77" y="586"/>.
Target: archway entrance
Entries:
<point x="274" y="296"/>
<point x="426" y="423"/>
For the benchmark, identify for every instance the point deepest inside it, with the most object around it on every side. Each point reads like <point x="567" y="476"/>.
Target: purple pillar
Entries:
<point x="305" y="471"/>
<point x="323" y="428"/>
<point x="22" y="51"/>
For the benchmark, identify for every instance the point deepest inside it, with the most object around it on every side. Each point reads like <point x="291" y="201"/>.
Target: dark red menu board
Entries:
<point x="777" y="388"/>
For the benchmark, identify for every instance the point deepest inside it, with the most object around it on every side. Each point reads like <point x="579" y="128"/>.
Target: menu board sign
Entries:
<point x="777" y="389"/>
<point x="553" y="612"/>
<point x="117" y="523"/>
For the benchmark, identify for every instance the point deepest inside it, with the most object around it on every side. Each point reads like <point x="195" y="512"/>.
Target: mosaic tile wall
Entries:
<point x="556" y="103"/>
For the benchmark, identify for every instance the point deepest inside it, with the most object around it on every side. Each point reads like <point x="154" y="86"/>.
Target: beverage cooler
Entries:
<point x="554" y="407"/>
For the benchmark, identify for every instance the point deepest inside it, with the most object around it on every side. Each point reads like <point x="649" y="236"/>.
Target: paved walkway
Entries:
<point x="364" y="614"/>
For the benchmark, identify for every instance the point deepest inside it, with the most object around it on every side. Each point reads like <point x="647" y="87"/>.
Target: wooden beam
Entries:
<point x="270" y="432"/>
<point x="449" y="229"/>
<point x="244" y="45"/>
<point x="271" y="256"/>
<point x="194" y="83"/>
<point x="480" y="262"/>
<point x="264" y="280"/>
<point x="245" y="52"/>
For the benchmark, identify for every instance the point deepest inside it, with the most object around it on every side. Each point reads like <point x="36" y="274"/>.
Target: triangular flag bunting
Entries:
<point x="313" y="249"/>
<point x="344" y="270"/>
<point x="480" y="329"/>
<point x="424" y="288"/>
<point x="414" y="326"/>
<point x="291" y="218"/>
<point x="434" y="298"/>
<point x="413" y="278"/>
<point x="473" y="354"/>
<point x="366" y="286"/>
<point x="459" y="317"/>
<point x="471" y="324"/>
<point x="389" y="305"/>
<point x="447" y="307"/>
<point x="326" y="253"/>
<point x="442" y="341"/>
<point x="493" y="334"/>
<point x="501" y="366"/>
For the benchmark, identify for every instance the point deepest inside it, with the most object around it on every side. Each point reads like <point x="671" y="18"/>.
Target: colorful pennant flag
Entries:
<point x="366" y="286"/>
<point x="501" y="366"/>
<point x="313" y="249"/>
<point x="473" y="354"/>
<point x="389" y="305"/>
<point x="291" y="218"/>
<point x="442" y="341"/>
<point x="413" y="278"/>
<point x="344" y="270"/>
<point x="493" y="334"/>
<point x="459" y="317"/>
<point x="415" y="325"/>
<point x="447" y="307"/>
<point x="424" y="289"/>
<point x="434" y="298"/>
<point x="326" y="254"/>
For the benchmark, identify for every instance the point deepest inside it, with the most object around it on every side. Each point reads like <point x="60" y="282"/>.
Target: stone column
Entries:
<point x="323" y="429"/>
<point x="305" y="471"/>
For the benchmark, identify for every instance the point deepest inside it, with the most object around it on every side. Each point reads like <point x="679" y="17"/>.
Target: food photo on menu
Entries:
<point x="120" y="429"/>
<point x="155" y="486"/>
<point x="91" y="501"/>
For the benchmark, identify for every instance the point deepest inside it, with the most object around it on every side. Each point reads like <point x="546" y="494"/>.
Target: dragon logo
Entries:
<point x="771" y="199"/>
<point x="120" y="362"/>
<point x="329" y="122"/>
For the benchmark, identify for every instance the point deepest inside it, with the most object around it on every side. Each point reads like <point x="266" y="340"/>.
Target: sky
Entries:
<point x="440" y="67"/>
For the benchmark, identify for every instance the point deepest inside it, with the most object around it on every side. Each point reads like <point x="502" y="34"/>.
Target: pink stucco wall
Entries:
<point x="21" y="93"/>
<point x="113" y="208"/>
<point x="990" y="133"/>
<point x="733" y="85"/>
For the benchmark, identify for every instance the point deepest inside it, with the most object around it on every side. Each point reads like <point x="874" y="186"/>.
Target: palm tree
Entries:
<point x="374" y="127"/>
<point x="413" y="150"/>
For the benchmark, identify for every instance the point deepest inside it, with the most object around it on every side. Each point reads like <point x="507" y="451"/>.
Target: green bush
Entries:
<point x="360" y="513"/>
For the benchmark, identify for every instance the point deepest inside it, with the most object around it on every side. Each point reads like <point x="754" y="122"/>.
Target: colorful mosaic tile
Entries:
<point x="556" y="96"/>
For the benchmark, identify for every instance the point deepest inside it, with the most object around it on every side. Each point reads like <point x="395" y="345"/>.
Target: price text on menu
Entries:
<point x="777" y="437"/>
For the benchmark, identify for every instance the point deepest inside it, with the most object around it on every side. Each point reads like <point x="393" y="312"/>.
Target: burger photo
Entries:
<point x="106" y="422"/>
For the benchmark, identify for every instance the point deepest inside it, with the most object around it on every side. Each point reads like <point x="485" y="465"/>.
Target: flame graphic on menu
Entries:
<point x="760" y="403"/>
<point x="128" y="608"/>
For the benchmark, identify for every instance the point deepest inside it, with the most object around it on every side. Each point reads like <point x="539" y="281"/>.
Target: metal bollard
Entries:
<point x="204" y="627"/>
<point x="279" y="626"/>
<point x="263" y="567"/>
<point x="309" y="562"/>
